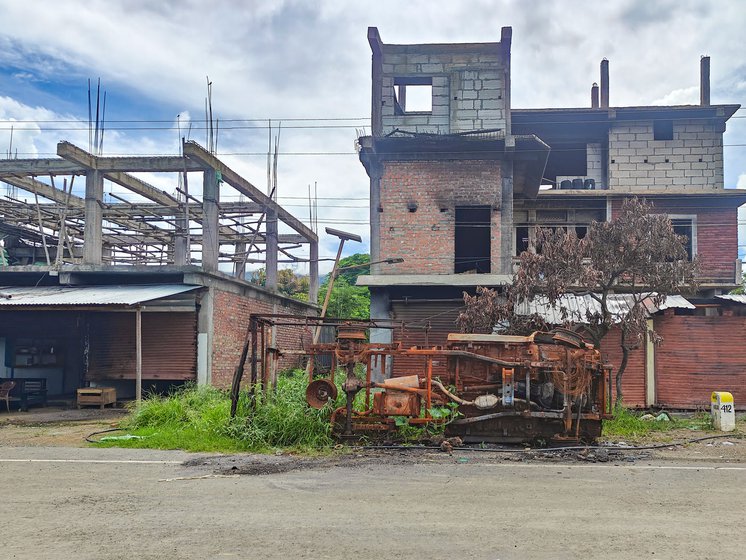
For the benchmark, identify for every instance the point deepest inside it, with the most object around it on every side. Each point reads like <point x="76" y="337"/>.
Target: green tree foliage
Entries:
<point x="358" y="259"/>
<point x="347" y="300"/>
<point x="288" y="283"/>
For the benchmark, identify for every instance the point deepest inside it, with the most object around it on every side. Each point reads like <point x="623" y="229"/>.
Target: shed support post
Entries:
<point x="210" y="223"/>
<point x="650" y="395"/>
<point x="138" y="354"/>
<point x="93" y="236"/>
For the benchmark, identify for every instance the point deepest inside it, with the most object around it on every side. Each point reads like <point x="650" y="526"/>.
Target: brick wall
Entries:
<point x="694" y="158"/>
<point x="230" y="321"/>
<point x="716" y="233"/>
<point x="425" y="238"/>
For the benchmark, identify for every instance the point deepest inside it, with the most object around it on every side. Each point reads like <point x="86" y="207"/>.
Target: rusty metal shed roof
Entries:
<point x="577" y="307"/>
<point x="13" y="296"/>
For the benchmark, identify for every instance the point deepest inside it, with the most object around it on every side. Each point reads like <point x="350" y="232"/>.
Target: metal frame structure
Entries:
<point x="155" y="227"/>
<point x="507" y="388"/>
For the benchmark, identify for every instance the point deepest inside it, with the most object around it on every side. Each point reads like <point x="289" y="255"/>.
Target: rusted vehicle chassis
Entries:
<point x="550" y="386"/>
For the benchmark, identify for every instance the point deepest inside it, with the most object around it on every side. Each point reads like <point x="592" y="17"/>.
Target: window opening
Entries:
<point x="413" y="95"/>
<point x="472" y="239"/>
<point x="685" y="228"/>
<point x="663" y="130"/>
<point x="522" y="240"/>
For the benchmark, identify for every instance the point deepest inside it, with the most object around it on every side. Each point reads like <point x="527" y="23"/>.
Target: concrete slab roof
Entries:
<point x="458" y="280"/>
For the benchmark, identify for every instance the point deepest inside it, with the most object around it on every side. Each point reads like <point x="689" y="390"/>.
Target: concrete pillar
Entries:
<point x="210" y="222"/>
<point x="704" y="80"/>
<point x="271" y="251"/>
<point x="594" y="96"/>
<point x="94" y="197"/>
<point x="205" y="337"/>
<point x="181" y="251"/>
<point x="313" y="272"/>
<point x="380" y="308"/>
<point x="506" y="218"/>
<point x="376" y="47"/>
<point x="376" y="170"/>
<point x="239" y="266"/>
<point x="604" y="83"/>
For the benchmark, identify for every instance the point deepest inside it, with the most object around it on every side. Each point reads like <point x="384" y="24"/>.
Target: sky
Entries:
<point x="305" y="65"/>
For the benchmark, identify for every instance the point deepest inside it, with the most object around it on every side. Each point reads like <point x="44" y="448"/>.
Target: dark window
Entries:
<point x="522" y="241"/>
<point x="568" y="159"/>
<point x="684" y="227"/>
<point x="663" y="130"/>
<point x="472" y="239"/>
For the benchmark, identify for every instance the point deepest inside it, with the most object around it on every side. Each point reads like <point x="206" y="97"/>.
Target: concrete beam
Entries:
<point x="132" y="164"/>
<point x="87" y="160"/>
<point x="198" y="154"/>
<point x="44" y="190"/>
<point x="49" y="166"/>
<point x="142" y="188"/>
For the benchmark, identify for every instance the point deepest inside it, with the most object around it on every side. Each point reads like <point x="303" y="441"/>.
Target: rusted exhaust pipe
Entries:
<point x="604" y="83"/>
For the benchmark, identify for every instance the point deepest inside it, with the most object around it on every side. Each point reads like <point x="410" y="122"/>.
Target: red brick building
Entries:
<point x="460" y="180"/>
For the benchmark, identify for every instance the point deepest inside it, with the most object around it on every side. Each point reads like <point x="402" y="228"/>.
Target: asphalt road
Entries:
<point x="63" y="503"/>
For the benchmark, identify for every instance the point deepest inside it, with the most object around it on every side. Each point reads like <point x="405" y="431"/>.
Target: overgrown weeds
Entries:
<point x="629" y="424"/>
<point x="198" y="419"/>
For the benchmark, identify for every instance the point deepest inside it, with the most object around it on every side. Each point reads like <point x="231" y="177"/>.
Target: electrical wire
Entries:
<point x="558" y="449"/>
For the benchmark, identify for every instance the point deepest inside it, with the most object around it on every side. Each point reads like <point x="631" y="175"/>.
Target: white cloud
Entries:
<point x="291" y="59"/>
<point x="684" y="96"/>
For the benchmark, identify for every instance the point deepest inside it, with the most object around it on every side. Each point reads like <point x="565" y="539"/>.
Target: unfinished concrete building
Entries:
<point x="459" y="184"/>
<point x="147" y="288"/>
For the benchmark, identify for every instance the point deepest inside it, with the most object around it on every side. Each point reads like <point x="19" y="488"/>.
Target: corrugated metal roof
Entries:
<point x="87" y="295"/>
<point x="738" y="298"/>
<point x="578" y="307"/>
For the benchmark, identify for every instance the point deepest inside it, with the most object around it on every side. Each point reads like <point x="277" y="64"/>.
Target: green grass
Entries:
<point x="628" y="424"/>
<point x="198" y="419"/>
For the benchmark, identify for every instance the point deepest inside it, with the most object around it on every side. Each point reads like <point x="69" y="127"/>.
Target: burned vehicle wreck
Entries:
<point x="549" y="385"/>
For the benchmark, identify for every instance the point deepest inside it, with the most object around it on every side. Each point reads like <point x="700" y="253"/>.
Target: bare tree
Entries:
<point x="637" y="254"/>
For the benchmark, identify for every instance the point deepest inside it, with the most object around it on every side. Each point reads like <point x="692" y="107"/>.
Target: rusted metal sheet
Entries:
<point x="699" y="355"/>
<point x="633" y="379"/>
<point x="169" y="346"/>
<point x="63" y="296"/>
<point x="424" y="324"/>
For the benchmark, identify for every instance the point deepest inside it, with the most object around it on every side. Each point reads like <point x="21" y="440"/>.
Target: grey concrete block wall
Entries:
<point x="693" y="159"/>
<point x="468" y="88"/>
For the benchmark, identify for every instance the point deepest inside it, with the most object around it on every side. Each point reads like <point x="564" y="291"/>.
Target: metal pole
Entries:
<point x="138" y="354"/>
<point x="332" y="276"/>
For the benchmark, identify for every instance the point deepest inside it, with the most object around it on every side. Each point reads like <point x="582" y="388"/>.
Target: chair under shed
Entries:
<point x="5" y="388"/>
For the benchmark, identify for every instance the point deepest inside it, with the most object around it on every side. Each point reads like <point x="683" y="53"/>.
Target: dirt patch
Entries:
<point x="57" y="427"/>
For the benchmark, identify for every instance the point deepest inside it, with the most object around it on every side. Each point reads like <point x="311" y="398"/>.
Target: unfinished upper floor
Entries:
<point x="632" y="149"/>
<point x="440" y="88"/>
